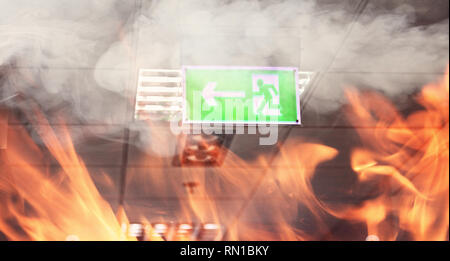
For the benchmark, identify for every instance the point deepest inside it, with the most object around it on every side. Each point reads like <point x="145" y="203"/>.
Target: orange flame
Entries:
<point x="63" y="204"/>
<point x="405" y="160"/>
<point x="409" y="157"/>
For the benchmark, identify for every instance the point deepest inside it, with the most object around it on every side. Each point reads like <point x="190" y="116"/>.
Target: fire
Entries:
<point x="38" y="203"/>
<point x="404" y="161"/>
<point x="408" y="158"/>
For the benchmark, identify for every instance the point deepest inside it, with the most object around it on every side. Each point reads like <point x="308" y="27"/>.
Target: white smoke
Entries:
<point x="383" y="49"/>
<point x="87" y="52"/>
<point x="49" y="51"/>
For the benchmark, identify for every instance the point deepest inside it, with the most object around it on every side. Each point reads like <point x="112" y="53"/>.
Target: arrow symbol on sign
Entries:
<point x="209" y="94"/>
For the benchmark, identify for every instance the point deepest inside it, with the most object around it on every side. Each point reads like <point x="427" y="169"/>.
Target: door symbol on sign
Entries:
<point x="266" y="95"/>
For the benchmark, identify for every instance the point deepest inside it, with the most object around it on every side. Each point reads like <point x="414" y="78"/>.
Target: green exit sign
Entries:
<point x="246" y="95"/>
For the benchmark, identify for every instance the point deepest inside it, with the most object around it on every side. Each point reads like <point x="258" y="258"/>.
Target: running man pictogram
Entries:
<point x="264" y="89"/>
<point x="266" y="96"/>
